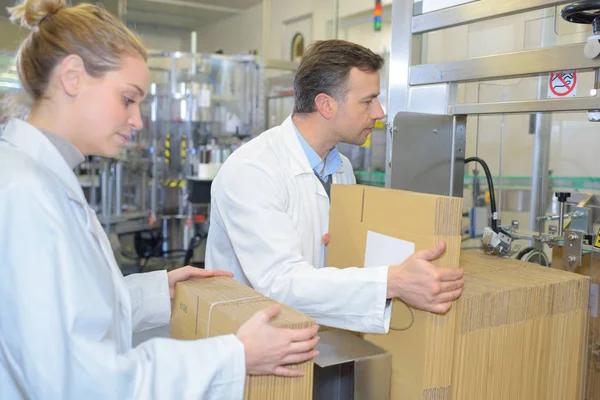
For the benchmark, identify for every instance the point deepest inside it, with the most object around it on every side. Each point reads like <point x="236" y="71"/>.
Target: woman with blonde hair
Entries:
<point x="66" y="312"/>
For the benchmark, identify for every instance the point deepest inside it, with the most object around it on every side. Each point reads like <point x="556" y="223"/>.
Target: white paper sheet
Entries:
<point x="386" y="250"/>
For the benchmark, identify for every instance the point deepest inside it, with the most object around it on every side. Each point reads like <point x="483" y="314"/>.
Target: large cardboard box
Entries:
<point x="204" y="308"/>
<point x="590" y="266"/>
<point x="517" y="332"/>
<point x="421" y="354"/>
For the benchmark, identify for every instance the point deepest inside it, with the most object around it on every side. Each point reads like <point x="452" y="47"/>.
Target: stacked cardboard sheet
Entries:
<point x="520" y="331"/>
<point x="219" y="306"/>
<point x="590" y="266"/>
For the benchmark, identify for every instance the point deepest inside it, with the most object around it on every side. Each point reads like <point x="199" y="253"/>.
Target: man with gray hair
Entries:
<point x="270" y="203"/>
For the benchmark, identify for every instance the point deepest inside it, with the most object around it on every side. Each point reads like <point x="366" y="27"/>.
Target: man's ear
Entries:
<point x="71" y="73"/>
<point x="326" y="105"/>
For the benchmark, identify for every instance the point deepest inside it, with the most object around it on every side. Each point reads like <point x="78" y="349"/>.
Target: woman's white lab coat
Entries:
<point x="269" y="214"/>
<point x="66" y="312"/>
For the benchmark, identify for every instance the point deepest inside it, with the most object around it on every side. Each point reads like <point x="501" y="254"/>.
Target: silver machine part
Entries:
<point x="350" y="368"/>
<point x="541" y="157"/>
<point x="498" y="243"/>
<point x="429" y="153"/>
<point x="561" y="218"/>
<point x="572" y="249"/>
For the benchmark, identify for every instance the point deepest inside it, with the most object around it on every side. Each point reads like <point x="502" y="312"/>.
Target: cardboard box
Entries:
<point x="219" y="306"/>
<point x="589" y="267"/>
<point x="422" y="354"/>
<point x="516" y="333"/>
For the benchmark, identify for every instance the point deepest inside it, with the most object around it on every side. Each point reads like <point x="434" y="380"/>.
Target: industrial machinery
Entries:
<point x="434" y="106"/>
<point x="200" y="108"/>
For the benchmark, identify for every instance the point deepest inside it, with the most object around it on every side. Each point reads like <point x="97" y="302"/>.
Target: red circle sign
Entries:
<point x="563" y="83"/>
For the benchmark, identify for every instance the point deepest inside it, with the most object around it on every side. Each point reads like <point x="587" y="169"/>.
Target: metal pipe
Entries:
<point x="266" y="33"/>
<point x="336" y="18"/>
<point x="118" y="187"/>
<point x="122" y="13"/>
<point x="543" y="139"/>
<point x="501" y="66"/>
<point x="526" y="106"/>
<point x="91" y="170"/>
<point x="143" y="191"/>
<point x="154" y="133"/>
<point x="173" y="78"/>
<point x="400" y="62"/>
<point x="561" y="218"/>
<point x="110" y="199"/>
<point x="165" y="232"/>
<point x="193" y="50"/>
<point x="104" y="189"/>
<point x="557" y="217"/>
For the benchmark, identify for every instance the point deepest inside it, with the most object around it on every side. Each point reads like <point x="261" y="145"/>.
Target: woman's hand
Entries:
<point x="270" y="350"/>
<point x="185" y="273"/>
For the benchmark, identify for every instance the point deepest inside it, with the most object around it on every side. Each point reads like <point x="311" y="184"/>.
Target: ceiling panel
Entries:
<point x="184" y="13"/>
<point x="173" y="13"/>
<point x="135" y="17"/>
<point x="241" y="4"/>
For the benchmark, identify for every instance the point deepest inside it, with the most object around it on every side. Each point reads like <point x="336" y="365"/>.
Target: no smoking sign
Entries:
<point x="562" y="84"/>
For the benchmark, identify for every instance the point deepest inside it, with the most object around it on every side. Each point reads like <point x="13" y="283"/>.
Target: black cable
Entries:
<point x="488" y="176"/>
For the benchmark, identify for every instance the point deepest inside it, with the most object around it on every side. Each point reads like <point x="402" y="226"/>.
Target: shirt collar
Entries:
<point x="333" y="159"/>
<point x="68" y="151"/>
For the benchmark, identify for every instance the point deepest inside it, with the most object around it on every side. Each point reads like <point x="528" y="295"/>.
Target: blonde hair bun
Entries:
<point x="31" y="13"/>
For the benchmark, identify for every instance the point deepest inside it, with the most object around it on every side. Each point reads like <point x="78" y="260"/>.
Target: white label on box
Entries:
<point x="386" y="250"/>
<point x="594" y="300"/>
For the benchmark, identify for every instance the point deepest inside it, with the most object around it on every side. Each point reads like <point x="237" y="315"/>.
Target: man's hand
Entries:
<point x="423" y="285"/>
<point x="185" y="273"/>
<point x="325" y="239"/>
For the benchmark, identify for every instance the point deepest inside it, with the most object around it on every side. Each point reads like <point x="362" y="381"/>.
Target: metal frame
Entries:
<point x="432" y="88"/>
<point x="519" y="64"/>
<point x="477" y="11"/>
<point x="526" y="106"/>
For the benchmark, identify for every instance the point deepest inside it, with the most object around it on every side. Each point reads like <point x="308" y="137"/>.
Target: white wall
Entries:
<point x="234" y="35"/>
<point x="248" y="25"/>
<point x="160" y="39"/>
<point x="365" y="35"/>
<point x="574" y="140"/>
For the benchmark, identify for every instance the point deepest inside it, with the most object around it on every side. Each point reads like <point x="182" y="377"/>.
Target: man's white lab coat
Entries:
<point x="269" y="213"/>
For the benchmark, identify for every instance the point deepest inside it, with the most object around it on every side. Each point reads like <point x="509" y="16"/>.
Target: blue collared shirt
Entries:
<point x="332" y="164"/>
